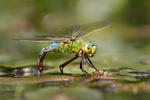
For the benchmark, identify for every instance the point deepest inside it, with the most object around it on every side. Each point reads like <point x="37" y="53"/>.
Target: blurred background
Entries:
<point x="125" y="41"/>
<point x="123" y="49"/>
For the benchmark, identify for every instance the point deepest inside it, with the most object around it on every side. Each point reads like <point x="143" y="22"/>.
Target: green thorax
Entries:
<point x="70" y="47"/>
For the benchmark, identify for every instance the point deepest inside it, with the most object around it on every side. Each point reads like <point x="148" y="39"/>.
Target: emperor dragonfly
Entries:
<point x="70" y="44"/>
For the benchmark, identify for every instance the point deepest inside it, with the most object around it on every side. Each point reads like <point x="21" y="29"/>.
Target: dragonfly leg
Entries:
<point x="67" y="62"/>
<point x="82" y="63"/>
<point x="90" y="62"/>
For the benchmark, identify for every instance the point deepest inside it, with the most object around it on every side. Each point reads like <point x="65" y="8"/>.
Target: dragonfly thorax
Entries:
<point x="89" y="48"/>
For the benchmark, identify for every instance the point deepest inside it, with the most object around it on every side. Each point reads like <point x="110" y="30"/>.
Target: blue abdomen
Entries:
<point x="53" y="46"/>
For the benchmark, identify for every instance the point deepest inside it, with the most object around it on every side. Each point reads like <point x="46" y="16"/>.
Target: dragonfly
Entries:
<point x="70" y="41"/>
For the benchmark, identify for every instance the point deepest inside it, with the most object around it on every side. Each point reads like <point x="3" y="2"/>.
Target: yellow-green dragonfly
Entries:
<point x="61" y="42"/>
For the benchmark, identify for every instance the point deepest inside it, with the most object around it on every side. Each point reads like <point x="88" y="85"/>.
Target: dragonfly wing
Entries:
<point x="75" y="32"/>
<point x="39" y="40"/>
<point x="90" y="28"/>
<point x="65" y="32"/>
<point x="52" y="36"/>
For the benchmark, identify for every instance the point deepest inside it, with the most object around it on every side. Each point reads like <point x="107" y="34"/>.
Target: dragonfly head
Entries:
<point x="89" y="48"/>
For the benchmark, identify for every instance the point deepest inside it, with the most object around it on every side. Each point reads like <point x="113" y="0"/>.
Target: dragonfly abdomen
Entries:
<point x="52" y="47"/>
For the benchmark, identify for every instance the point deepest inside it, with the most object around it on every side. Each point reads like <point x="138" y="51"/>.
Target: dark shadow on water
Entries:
<point x="21" y="71"/>
<point x="6" y="75"/>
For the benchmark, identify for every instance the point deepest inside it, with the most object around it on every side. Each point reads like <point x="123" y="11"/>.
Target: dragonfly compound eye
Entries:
<point x="94" y="49"/>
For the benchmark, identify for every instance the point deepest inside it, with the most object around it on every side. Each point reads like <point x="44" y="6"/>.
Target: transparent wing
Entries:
<point x="39" y="40"/>
<point x="58" y="35"/>
<point x="75" y="31"/>
<point x="90" y="28"/>
<point x="61" y="33"/>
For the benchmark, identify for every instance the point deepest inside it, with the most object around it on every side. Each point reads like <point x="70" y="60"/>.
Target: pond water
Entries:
<point x="125" y="82"/>
<point x="124" y="61"/>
